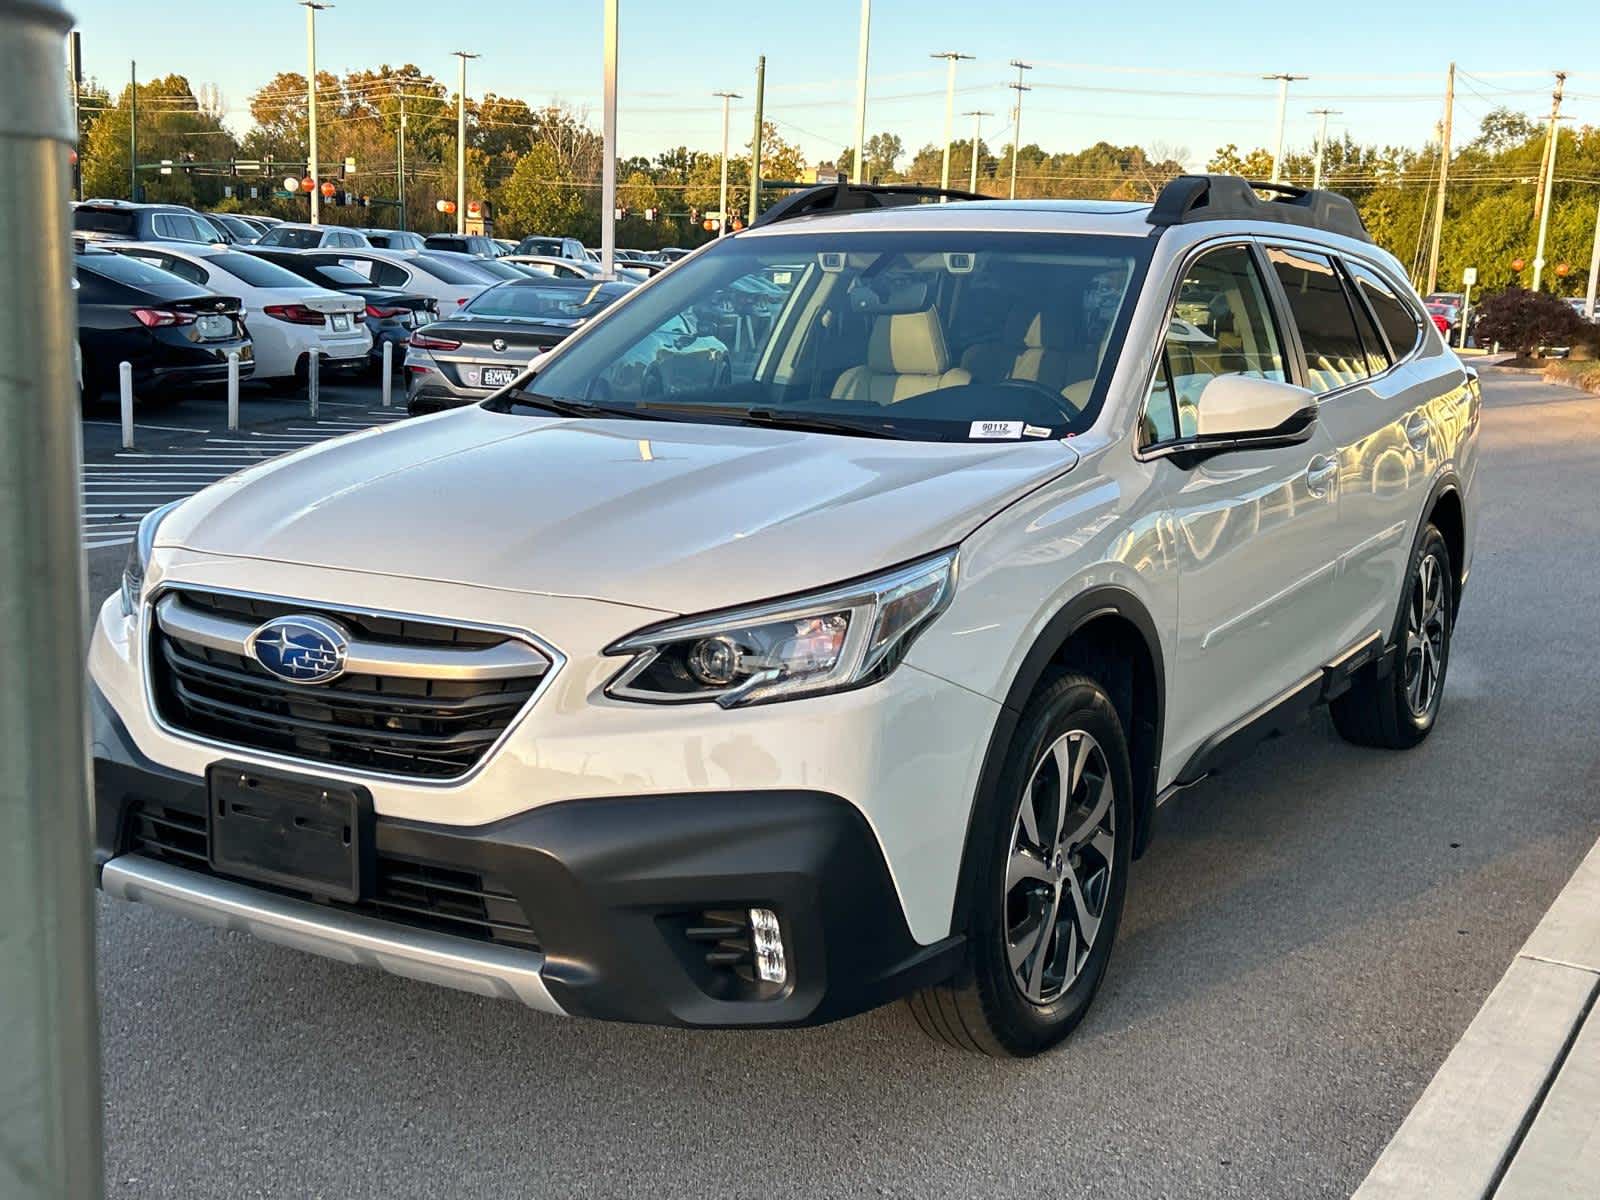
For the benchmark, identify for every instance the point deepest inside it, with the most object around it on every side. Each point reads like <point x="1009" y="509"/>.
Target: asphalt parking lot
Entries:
<point x="1304" y="942"/>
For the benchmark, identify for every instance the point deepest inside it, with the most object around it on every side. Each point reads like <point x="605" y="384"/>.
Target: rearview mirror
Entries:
<point x="1248" y="410"/>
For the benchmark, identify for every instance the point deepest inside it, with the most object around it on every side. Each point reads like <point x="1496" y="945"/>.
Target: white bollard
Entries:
<point x="388" y="373"/>
<point x="233" y="389"/>
<point x="125" y="379"/>
<point x="313" y="372"/>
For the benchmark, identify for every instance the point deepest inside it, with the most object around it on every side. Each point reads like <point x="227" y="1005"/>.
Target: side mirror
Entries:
<point x="1244" y="410"/>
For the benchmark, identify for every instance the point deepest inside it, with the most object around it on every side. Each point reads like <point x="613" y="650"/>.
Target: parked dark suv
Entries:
<point x="122" y="221"/>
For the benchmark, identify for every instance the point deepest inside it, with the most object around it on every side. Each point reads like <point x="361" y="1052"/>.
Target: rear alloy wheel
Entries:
<point x="1048" y="887"/>
<point x="1397" y="709"/>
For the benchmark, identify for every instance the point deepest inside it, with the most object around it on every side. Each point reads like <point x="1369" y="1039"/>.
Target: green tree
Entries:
<point x="172" y="124"/>
<point x="539" y="198"/>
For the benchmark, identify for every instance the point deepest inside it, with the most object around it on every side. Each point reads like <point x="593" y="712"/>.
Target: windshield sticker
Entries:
<point x="1035" y="431"/>
<point x="996" y="430"/>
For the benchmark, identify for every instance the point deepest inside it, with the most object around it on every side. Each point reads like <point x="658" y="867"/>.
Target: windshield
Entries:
<point x="298" y="239"/>
<point x="545" y="302"/>
<point x="945" y="336"/>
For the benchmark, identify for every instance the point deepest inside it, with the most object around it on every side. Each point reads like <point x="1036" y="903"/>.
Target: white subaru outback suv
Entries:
<point x="855" y="670"/>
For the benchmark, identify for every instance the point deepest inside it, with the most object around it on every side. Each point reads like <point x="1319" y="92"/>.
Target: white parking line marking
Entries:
<point x="159" y="428"/>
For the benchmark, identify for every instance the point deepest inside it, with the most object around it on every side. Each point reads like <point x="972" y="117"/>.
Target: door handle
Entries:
<point x="1417" y="432"/>
<point x="1320" y="473"/>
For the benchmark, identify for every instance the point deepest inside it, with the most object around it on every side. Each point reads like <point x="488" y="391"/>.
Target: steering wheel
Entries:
<point x="1056" y="401"/>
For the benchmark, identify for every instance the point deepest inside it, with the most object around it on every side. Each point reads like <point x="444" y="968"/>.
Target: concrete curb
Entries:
<point x="1514" y="1112"/>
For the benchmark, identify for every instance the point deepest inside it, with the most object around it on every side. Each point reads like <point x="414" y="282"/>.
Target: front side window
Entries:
<point x="949" y="336"/>
<point x="1397" y="318"/>
<point x="1221" y="325"/>
<point x="1322" y="312"/>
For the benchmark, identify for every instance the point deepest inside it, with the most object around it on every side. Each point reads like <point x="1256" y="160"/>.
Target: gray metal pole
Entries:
<point x="49" y="1068"/>
<point x="1547" y="185"/>
<point x="861" y="88"/>
<point x="313" y="381"/>
<point x="952" y="57"/>
<point x="133" y="132"/>
<point x="755" y="140"/>
<point x="1016" y="120"/>
<point x="400" y="161"/>
<point x="977" y="136"/>
<point x="722" y="196"/>
<point x="608" y="130"/>
<point x="461" y="142"/>
<point x="312" y="8"/>
<point x="233" y="389"/>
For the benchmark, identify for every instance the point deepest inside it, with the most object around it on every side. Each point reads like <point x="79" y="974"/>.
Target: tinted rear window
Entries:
<point x="336" y="276"/>
<point x="1335" y="356"/>
<point x="103" y="220"/>
<point x="298" y="239"/>
<point x="544" y="302"/>
<point x="443" y="268"/>
<point x="135" y="272"/>
<point x="257" y="272"/>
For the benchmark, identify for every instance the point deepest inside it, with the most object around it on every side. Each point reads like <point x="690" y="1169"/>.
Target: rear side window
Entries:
<point x="103" y="220"/>
<point x="1335" y="356"/>
<point x="1396" y="317"/>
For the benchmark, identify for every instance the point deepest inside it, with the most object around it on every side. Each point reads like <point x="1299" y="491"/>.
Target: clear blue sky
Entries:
<point x="1179" y="75"/>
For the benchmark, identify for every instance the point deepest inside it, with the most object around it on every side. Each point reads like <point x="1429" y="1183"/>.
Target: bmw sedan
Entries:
<point x="488" y="343"/>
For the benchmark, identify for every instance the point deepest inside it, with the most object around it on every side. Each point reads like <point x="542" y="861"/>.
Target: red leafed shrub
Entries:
<point x="1527" y="321"/>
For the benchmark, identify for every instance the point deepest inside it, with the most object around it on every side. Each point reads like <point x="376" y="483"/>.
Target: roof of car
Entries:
<point x="197" y="249"/>
<point x="1074" y="216"/>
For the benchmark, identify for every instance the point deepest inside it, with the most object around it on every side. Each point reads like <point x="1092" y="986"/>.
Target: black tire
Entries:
<point x="1382" y="709"/>
<point x="985" y="1008"/>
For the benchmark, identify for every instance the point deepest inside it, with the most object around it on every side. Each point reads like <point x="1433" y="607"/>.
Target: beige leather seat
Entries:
<point x="906" y="356"/>
<point x="1039" y="347"/>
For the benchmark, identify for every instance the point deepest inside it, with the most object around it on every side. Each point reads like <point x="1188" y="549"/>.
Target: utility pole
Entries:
<point x="977" y="116"/>
<point x="133" y="132"/>
<point x="722" y="195"/>
<point x="400" y="159"/>
<point x="1549" y="181"/>
<point x="755" y="141"/>
<point x="1444" y="175"/>
<point x="952" y="57"/>
<point x="1016" y="120"/>
<point x="861" y="89"/>
<point x="1284" y="80"/>
<point x="50" y="1069"/>
<point x="313" y="7"/>
<point x="461" y="123"/>
<point x="1322" y="140"/>
<point x="1549" y="143"/>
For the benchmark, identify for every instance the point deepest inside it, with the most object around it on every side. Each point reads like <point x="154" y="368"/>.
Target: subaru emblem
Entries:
<point x="499" y="345"/>
<point x="301" y="649"/>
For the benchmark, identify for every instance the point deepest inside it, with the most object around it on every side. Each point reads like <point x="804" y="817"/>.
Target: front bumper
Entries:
<point x="611" y="889"/>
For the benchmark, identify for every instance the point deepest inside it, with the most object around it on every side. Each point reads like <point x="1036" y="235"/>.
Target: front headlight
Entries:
<point x="844" y="637"/>
<point x="139" y="557"/>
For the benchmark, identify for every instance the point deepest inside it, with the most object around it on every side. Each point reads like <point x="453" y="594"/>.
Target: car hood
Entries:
<point x="671" y="516"/>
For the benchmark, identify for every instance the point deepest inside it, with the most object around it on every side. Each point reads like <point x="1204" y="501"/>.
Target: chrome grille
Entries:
<point x="419" y="698"/>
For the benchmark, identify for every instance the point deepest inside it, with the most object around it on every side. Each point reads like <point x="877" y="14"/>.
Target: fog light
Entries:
<point x="770" y="966"/>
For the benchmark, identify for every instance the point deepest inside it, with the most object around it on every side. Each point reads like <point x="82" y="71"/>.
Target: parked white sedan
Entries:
<point x="289" y="319"/>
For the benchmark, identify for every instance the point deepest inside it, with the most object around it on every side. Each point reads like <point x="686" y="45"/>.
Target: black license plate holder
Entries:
<point x="309" y="835"/>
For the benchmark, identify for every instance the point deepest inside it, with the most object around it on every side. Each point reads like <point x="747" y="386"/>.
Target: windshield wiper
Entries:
<point x="576" y="408"/>
<point x="811" y="423"/>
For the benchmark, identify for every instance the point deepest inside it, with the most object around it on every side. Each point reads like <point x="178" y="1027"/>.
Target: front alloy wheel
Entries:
<point x="1425" y="634"/>
<point x="1058" y="874"/>
<point x="1047" y="871"/>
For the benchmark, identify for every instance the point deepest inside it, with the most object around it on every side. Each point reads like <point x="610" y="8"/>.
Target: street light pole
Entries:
<point x="1322" y="141"/>
<point x="755" y="140"/>
<point x="952" y="57"/>
<point x="861" y="89"/>
<point x="133" y="132"/>
<point x="1589" y="308"/>
<point x="461" y="140"/>
<point x="1016" y="121"/>
<point x="608" y="130"/>
<point x="400" y="160"/>
<point x="722" y="195"/>
<point x="50" y="1070"/>
<point x="977" y="116"/>
<point x="313" y="7"/>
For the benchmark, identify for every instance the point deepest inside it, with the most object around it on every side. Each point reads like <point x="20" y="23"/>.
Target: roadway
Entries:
<point x="1305" y="941"/>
